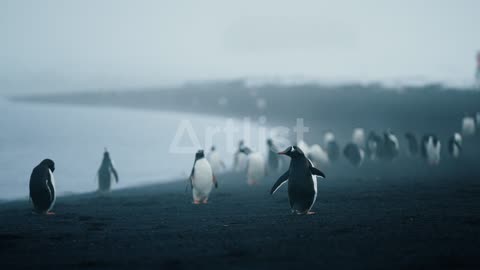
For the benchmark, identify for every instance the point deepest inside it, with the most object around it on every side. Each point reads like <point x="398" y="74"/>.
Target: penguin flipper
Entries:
<point x="280" y="182"/>
<point x="316" y="171"/>
<point x="115" y="174"/>
<point x="214" y="179"/>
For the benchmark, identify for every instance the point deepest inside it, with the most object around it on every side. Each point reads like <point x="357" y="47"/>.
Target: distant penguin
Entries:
<point x="358" y="137"/>
<point x="216" y="162"/>
<point x="273" y="160"/>
<point x="240" y="159"/>
<point x="256" y="167"/>
<point x="318" y="156"/>
<point x="455" y="145"/>
<point x="391" y="148"/>
<point x="202" y="179"/>
<point x="354" y="154"/>
<point x="303" y="146"/>
<point x="373" y="145"/>
<point x="42" y="187"/>
<point x="105" y="173"/>
<point x="468" y="126"/>
<point x="412" y="144"/>
<point x="430" y="149"/>
<point x="302" y="181"/>
<point x="331" y="146"/>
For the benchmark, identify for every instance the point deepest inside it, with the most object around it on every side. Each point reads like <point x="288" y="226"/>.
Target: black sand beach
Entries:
<point x="400" y="215"/>
<point x="360" y="223"/>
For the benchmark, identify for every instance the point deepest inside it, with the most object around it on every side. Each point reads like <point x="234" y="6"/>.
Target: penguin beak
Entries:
<point x="283" y="152"/>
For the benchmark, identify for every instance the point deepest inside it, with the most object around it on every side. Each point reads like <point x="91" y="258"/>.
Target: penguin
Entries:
<point x="216" y="162"/>
<point x="358" y="137"/>
<point x="430" y="149"/>
<point x="105" y="173"/>
<point x="373" y="145"/>
<point x="318" y="156"/>
<point x="477" y="118"/>
<point x="354" y="154"/>
<point x="331" y="146"/>
<point x="302" y="181"/>
<point x="273" y="160"/>
<point x="468" y="126"/>
<point x="202" y="179"/>
<point x="412" y="144"/>
<point x="42" y="187"/>
<point x="256" y="167"/>
<point x="455" y="145"/>
<point x="239" y="158"/>
<point x="390" y="148"/>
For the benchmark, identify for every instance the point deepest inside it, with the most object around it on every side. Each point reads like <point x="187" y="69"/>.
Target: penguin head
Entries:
<point x="269" y="142"/>
<point x="246" y="150"/>
<point x="199" y="155"/>
<point x="212" y="148"/>
<point x="49" y="164"/>
<point x="293" y="152"/>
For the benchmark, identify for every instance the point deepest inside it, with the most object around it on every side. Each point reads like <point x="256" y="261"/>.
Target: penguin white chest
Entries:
<point x="202" y="177"/>
<point x="54" y="192"/>
<point x="215" y="162"/>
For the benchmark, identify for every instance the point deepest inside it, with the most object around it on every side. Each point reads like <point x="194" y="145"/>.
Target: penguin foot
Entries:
<point x="196" y="202"/>
<point x="310" y="213"/>
<point x="50" y="213"/>
<point x="205" y="201"/>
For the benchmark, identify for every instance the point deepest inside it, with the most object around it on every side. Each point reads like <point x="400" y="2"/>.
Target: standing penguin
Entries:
<point x="354" y="154"/>
<point x="468" y="126"/>
<point x="455" y="145"/>
<point x="373" y="145"/>
<point x="331" y="146"/>
<point x="412" y="144"/>
<point x="302" y="181"/>
<point x="256" y="168"/>
<point x="431" y="148"/>
<point x="390" y="148"/>
<point x="202" y="179"/>
<point x="216" y="161"/>
<point x="42" y="187"/>
<point x="358" y="137"/>
<point x="318" y="156"/>
<point x="105" y="173"/>
<point x="239" y="158"/>
<point x="273" y="160"/>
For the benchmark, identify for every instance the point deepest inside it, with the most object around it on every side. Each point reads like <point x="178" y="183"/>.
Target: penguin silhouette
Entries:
<point x="105" y="173"/>
<point x="412" y="144"/>
<point x="455" y="145"/>
<point x="42" y="187"/>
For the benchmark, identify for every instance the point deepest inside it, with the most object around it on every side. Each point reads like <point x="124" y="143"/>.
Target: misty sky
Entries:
<point x="85" y="44"/>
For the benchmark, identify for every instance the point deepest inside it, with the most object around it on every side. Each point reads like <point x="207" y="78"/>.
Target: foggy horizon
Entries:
<point x="54" y="46"/>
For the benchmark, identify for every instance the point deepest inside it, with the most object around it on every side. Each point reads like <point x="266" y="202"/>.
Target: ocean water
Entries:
<point x="141" y="143"/>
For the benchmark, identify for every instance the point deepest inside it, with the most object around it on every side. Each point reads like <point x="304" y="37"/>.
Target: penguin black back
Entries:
<point x="42" y="190"/>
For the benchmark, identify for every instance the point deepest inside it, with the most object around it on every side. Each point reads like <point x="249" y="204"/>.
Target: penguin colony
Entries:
<point x="302" y="172"/>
